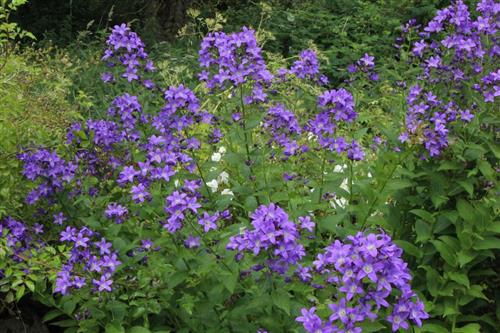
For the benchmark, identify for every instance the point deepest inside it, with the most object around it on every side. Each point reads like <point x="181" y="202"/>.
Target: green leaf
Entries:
<point x="466" y="211"/>
<point x="69" y="306"/>
<point x="371" y="326"/>
<point x="139" y="329"/>
<point x="469" y="328"/>
<point x="423" y="231"/>
<point x="30" y="285"/>
<point x="446" y="252"/>
<point x="409" y="248"/>
<point x="52" y="314"/>
<point x="487" y="244"/>
<point x="425" y="215"/>
<point x="20" y="292"/>
<point x="460" y="278"/>
<point x="486" y="170"/>
<point x="434" y="328"/>
<point x="114" y="327"/>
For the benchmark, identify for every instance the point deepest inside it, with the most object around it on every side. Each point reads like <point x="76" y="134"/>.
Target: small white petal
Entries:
<point x="222" y="150"/>
<point x="223" y="177"/>
<point x="213" y="184"/>
<point x="227" y="191"/>
<point x="216" y="157"/>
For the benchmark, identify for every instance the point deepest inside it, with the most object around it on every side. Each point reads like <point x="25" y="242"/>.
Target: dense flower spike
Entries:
<point x="337" y="107"/>
<point x="283" y="126"/>
<point x="231" y="60"/>
<point x="307" y="67"/>
<point x="453" y="51"/>
<point x="371" y="281"/>
<point x="427" y="119"/>
<point x="274" y="234"/>
<point x="126" y="49"/>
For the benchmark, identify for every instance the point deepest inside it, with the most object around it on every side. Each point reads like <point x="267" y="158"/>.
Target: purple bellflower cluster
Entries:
<point x="184" y="204"/>
<point x="365" y="65"/>
<point x="284" y="127"/>
<point x="126" y="49"/>
<point x="371" y="280"/>
<point x="52" y="171"/>
<point x="274" y="235"/>
<point x="20" y="238"/>
<point x="92" y="262"/>
<point x="455" y="51"/>
<point x="306" y="67"/>
<point x="129" y="111"/>
<point x="116" y="212"/>
<point x="455" y="48"/>
<point x="337" y="107"/>
<point x="427" y="119"/>
<point x="232" y="60"/>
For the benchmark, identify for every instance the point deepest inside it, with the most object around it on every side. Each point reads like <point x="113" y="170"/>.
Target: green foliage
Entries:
<point x="33" y="111"/>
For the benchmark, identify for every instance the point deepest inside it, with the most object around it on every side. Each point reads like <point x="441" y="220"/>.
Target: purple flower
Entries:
<point x="59" y="218"/>
<point x="192" y="242"/>
<point x="139" y="193"/>
<point x="272" y="232"/>
<point x="103" y="284"/>
<point x="306" y="223"/>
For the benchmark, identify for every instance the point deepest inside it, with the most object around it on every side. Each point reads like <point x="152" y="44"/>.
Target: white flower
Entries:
<point x="338" y="202"/>
<point x="222" y="150"/>
<point x="216" y="157"/>
<point x="227" y="191"/>
<point x="213" y="184"/>
<point x="344" y="185"/>
<point x="177" y="183"/>
<point x="339" y="168"/>
<point x="223" y="177"/>
<point x="311" y="137"/>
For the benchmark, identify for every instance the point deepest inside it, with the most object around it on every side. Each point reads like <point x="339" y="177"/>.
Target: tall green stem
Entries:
<point x="322" y="181"/>
<point x="247" y="147"/>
